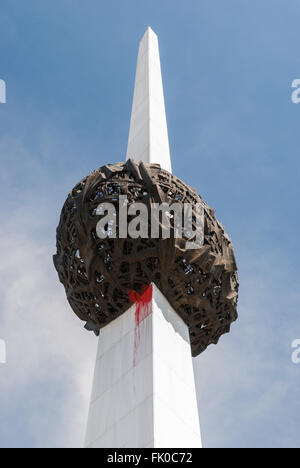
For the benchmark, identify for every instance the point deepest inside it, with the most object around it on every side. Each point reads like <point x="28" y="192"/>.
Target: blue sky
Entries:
<point x="234" y="135"/>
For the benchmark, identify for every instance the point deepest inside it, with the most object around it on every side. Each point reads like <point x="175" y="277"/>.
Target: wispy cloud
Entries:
<point x="46" y="382"/>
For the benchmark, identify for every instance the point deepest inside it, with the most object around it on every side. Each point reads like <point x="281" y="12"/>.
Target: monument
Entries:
<point x="154" y="302"/>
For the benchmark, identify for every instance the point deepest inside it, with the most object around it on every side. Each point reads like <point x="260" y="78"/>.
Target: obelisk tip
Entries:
<point x="148" y="135"/>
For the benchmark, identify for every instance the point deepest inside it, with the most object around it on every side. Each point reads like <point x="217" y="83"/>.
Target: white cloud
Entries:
<point x="46" y="342"/>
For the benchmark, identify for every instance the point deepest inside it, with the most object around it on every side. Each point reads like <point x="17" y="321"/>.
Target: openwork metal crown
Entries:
<point x="98" y="274"/>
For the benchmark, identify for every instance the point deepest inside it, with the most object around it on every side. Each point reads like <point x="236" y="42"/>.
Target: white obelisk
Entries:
<point x="143" y="391"/>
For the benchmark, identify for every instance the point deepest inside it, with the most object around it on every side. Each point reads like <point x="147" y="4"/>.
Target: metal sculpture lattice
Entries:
<point x="201" y="285"/>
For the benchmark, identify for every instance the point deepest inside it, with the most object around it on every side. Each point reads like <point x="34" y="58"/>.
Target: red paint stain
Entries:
<point x="143" y="309"/>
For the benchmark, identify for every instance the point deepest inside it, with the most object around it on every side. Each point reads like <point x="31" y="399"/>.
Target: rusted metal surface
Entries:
<point x="98" y="275"/>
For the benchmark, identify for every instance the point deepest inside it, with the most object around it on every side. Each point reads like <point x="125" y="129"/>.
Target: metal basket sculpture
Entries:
<point x="98" y="274"/>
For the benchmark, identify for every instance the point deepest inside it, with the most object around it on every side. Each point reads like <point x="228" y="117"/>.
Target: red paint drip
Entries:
<point x="143" y="309"/>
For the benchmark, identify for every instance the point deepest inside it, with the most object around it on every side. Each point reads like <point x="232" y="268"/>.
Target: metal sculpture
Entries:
<point x="98" y="274"/>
